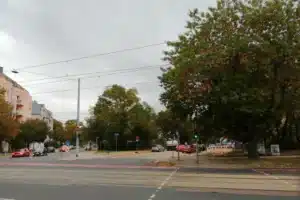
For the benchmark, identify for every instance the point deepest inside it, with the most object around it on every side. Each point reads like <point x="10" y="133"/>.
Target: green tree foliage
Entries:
<point x="119" y="110"/>
<point x="8" y="126"/>
<point x="58" y="133"/>
<point x="33" y="130"/>
<point x="70" y="127"/>
<point x="237" y="69"/>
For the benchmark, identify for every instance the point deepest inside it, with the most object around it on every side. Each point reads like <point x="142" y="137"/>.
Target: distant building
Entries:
<point x="17" y="96"/>
<point x="39" y="111"/>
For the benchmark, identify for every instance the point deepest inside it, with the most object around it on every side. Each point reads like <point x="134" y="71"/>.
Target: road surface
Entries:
<point x="55" y="177"/>
<point x="76" y="183"/>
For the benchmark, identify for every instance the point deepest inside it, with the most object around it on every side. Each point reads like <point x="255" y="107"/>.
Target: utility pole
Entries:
<point x="197" y="151"/>
<point x="178" y="139"/>
<point x="78" y="119"/>
<point x="172" y="146"/>
<point x="97" y="143"/>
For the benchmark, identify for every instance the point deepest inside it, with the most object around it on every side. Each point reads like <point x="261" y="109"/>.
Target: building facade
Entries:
<point x="17" y="96"/>
<point x="39" y="111"/>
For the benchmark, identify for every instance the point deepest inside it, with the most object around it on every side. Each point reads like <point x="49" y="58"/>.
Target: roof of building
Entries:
<point x="15" y="84"/>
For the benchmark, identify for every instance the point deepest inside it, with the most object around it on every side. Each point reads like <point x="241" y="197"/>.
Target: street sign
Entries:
<point x="117" y="134"/>
<point x="137" y="138"/>
<point x="68" y="143"/>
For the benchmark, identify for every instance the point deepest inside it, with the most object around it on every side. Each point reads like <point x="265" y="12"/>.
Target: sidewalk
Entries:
<point x="83" y="156"/>
<point x="94" y="155"/>
<point x="123" y="153"/>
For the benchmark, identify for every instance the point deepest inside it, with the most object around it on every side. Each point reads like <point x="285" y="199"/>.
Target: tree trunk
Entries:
<point x="252" y="150"/>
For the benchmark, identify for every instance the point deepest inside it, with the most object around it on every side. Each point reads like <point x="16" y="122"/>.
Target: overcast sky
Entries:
<point x="34" y="32"/>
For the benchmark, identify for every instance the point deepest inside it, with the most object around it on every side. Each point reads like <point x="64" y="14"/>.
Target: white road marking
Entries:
<point x="275" y="177"/>
<point x="163" y="183"/>
<point x="6" y="199"/>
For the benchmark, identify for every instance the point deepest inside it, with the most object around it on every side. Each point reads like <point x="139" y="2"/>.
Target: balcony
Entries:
<point x="19" y="103"/>
<point x="19" y="113"/>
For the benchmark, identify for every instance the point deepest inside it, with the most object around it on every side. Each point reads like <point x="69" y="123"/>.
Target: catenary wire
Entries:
<point x="90" y="56"/>
<point x="87" y="88"/>
<point x="95" y="74"/>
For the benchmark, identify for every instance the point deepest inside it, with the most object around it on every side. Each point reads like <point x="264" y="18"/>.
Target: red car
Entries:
<point x="64" y="148"/>
<point x="186" y="148"/>
<point x="21" y="153"/>
<point x="180" y="148"/>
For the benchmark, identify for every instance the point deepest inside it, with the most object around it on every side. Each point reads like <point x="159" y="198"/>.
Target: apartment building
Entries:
<point x="39" y="111"/>
<point x="17" y="96"/>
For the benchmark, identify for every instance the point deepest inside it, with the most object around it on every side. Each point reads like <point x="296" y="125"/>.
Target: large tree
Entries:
<point x="8" y="126"/>
<point x="119" y="110"/>
<point x="236" y="69"/>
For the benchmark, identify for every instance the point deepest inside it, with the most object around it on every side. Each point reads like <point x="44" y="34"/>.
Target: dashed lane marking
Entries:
<point x="275" y="177"/>
<point x="163" y="184"/>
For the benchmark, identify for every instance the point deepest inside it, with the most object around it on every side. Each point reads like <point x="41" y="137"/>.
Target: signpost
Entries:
<point x="137" y="139"/>
<point x="68" y="143"/>
<point x="275" y="149"/>
<point x="174" y="138"/>
<point x="116" y="137"/>
<point x="197" y="148"/>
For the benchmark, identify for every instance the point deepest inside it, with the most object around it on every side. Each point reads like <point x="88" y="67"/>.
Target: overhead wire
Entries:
<point x="86" y="88"/>
<point x="90" y="56"/>
<point x="95" y="74"/>
<point x="23" y="69"/>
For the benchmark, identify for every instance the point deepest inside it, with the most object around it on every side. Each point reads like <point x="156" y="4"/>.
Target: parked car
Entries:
<point x="157" y="148"/>
<point x="40" y="153"/>
<point x="186" y="148"/>
<point x="50" y="149"/>
<point x="88" y="147"/>
<point x="21" y="153"/>
<point x="64" y="148"/>
<point x="171" y="144"/>
<point x="72" y="147"/>
<point x="190" y="149"/>
<point x="180" y="148"/>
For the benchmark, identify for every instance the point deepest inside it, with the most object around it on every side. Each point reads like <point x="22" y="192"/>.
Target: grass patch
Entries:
<point x="165" y="164"/>
<point x="161" y="164"/>
<point x="288" y="159"/>
<point x="264" y="162"/>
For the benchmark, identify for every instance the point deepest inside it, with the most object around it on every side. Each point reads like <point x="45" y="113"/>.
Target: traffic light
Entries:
<point x="196" y="136"/>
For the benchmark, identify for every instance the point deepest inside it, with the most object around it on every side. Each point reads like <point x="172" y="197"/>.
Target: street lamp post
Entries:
<point x="97" y="143"/>
<point x="78" y="118"/>
<point x="178" y="141"/>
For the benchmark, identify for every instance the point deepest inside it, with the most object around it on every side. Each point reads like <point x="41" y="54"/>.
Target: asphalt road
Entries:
<point x="56" y="176"/>
<point x="38" y="183"/>
<point x="75" y="192"/>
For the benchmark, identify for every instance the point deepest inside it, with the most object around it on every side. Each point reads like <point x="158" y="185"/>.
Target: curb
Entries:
<point x="84" y="166"/>
<point x="279" y="169"/>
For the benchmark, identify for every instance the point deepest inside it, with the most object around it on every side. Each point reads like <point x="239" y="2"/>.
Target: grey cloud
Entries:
<point x="51" y="30"/>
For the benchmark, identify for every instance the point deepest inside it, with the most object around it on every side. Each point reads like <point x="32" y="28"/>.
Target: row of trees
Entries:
<point x="21" y="134"/>
<point x="118" y="110"/>
<point x="236" y="72"/>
